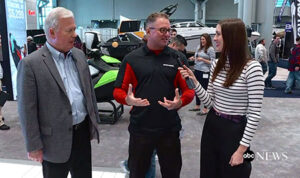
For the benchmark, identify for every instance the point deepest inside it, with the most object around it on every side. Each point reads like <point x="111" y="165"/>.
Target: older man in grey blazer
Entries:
<point x="56" y="102"/>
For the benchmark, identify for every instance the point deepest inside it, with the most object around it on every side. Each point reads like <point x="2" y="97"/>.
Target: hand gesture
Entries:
<point x="133" y="101"/>
<point x="176" y="103"/>
<point x="36" y="156"/>
<point x="297" y="68"/>
<point x="186" y="72"/>
<point x="199" y="58"/>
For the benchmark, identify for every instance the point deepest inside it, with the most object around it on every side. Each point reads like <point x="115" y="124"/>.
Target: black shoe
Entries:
<point x="4" y="127"/>
<point x="270" y="88"/>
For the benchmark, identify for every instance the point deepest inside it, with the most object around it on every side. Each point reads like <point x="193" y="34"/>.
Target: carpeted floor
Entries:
<point x="279" y="91"/>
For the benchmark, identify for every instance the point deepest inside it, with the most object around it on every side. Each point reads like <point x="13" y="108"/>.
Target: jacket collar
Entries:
<point x="147" y="51"/>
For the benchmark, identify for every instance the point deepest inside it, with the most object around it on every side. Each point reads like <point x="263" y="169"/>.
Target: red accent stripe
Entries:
<point x="187" y="94"/>
<point x="129" y="78"/>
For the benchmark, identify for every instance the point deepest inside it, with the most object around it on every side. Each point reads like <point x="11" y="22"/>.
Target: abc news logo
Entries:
<point x="249" y="155"/>
<point x="265" y="156"/>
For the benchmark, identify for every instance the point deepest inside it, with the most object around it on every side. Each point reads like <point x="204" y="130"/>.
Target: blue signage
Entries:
<point x="16" y="32"/>
<point x="288" y="27"/>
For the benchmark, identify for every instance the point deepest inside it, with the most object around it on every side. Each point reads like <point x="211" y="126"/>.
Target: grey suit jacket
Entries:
<point x="44" y="109"/>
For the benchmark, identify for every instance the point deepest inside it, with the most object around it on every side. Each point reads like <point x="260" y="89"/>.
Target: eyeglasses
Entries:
<point x="162" y="30"/>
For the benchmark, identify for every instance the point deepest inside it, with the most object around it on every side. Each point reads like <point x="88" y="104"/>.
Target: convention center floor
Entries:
<point x="276" y="143"/>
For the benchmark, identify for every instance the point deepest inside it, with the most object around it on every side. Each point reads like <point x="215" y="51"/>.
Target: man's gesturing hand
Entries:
<point x="133" y="101"/>
<point x="176" y="103"/>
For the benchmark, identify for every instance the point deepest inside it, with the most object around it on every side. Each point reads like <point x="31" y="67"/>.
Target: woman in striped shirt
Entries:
<point x="234" y="94"/>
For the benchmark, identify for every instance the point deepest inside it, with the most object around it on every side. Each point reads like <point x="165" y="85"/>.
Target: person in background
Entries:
<point x="178" y="43"/>
<point x="31" y="46"/>
<point x="149" y="81"/>
<point x="78" y="43"/>
<point x="151" y="172"/>
<point x="56" y="102"/>
<point x="234" y="94"/>
<point x="204" y="56"/>
<point x="272" y="61"/>
<point x="294" y="66"/>
<point x="173" y="33"/>
<point x="261" y="55"/>
<point x="3" y="126"/>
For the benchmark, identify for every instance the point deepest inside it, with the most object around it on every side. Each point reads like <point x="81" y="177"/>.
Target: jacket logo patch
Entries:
<point x="168" y="65"/>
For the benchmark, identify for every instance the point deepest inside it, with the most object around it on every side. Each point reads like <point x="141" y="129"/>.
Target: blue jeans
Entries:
<point x="293" y="76"/>
<point x="272" y="73"/>
<point x="264" y="67"/>
<point x="152" y="169"/>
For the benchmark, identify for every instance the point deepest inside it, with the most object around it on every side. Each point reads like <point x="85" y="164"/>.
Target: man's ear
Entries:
<point x="147" y="30"/>
<point x="52" y="32"/>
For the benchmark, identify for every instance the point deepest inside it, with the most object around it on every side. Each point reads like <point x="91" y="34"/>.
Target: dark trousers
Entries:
<point x="202" y="81"/>
<point x="220" y="139"/>
<point x="168" y="151"/>
<point x="79" y="163"/>
<point x="272" y="73"/>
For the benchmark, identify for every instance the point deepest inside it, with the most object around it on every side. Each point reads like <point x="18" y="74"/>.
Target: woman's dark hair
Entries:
<point x="235" y="49"/>
<point x="208" y="42"/>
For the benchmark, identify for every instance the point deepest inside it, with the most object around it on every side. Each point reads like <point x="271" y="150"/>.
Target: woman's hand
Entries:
<point x="199" y="59"/>
<point x="237" y="157"/>
<point x="186" y="72"/>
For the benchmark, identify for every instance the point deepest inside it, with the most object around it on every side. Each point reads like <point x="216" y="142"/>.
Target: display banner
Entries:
<point x="295" y="14"/>
<point x="281" y="10"/>
<point x="16" y="32"/>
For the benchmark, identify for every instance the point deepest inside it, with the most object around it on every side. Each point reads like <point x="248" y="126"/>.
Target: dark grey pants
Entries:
<point x="79" y="163"/>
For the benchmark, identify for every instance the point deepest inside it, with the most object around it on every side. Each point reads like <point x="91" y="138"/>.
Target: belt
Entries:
<point x="234" y="118"/>
<point x="80" y="125"/>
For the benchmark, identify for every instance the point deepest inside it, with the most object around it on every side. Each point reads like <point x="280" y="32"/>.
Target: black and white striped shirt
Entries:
<point x="243" y="97"/>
